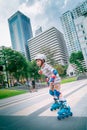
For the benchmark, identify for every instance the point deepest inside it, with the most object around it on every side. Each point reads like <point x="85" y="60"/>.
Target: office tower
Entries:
<point x="38" y="31"/>
<point x="80" y="10"/>
<point x="20" y="32"/>
<point x="80" y="20"/>
<point x="75" y="22"/>
<point x="71" y="38"/>
<point x="52" y="41"/>
<point x="81" y="28"/>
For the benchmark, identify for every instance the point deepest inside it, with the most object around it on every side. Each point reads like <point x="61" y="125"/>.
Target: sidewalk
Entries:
<point x="17" y="98"/>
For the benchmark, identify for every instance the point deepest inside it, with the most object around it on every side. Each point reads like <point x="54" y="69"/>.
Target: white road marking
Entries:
<point x="72" y="101"/>
<point x="33" y="108"/>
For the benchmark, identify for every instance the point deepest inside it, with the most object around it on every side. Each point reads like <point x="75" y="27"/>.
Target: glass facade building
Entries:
<point x="38" y="31"/>
<point x="20" y="32"/>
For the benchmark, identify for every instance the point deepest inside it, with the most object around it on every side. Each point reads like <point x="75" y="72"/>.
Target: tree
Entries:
<point x="61" y="69"/>
<point x="16" y="64"/>
<point x="33" y="71"/>
<point x="77" y="59"/>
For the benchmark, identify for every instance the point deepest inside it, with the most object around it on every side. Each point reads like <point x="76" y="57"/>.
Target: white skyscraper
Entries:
<point x="50" y="40"/>
<point x="71" y="38"/>
<point x="81" y="28"/>
<point x="75" y="29"/>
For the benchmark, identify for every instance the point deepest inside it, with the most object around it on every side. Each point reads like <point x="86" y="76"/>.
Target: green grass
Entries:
<point x="68" y="80"/>
<point x="5" y="93"/>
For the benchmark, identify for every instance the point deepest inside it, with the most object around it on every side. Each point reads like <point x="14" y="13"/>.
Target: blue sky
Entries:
<point x="45" y="13"/>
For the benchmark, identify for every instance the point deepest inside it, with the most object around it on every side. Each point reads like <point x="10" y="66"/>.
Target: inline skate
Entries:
<point x="55" y="105"/>
<point x="64" y="111"/>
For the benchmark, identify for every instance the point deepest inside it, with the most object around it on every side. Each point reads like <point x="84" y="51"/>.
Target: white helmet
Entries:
<point x="41" y="57"/>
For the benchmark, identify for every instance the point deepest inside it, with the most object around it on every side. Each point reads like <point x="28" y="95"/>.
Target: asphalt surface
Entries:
<point x="31" y="111"/>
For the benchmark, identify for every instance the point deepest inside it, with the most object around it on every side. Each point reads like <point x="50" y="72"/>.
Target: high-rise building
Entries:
<point x="38" y="31"/>
<point x="81" y="28"/>
<point x="51" y="41"/>
<point x="75" y="29"/>
<point x="80" y="10"/>
<point x="71" y="38"/>
<point x="20" y="32"/>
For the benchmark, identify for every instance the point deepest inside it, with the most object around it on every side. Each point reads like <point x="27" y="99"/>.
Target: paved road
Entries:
<point x="31" y="111"/>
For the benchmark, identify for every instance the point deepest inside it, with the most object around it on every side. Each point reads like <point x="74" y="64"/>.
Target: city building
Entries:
<point x="20" y="32"/>
<point x="81" y="28"/>
<point x="71" y="70"/>
<point x="75" y="29"/>
<point x="70" y="34"/>
<point x="38" y="31"/>
<point x="80" y="10"/>
<point x="51" y="41"/>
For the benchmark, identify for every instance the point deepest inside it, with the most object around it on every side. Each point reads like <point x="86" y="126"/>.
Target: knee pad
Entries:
<point x="56" y="93"/>
<point x="51" y="92"/>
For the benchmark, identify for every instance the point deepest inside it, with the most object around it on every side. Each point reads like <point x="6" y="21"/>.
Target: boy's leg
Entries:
<point x="56" y="104"/>
<point x="51" y="90"/>
<point x="64" y="109"/>
<point x="57" y="93"/>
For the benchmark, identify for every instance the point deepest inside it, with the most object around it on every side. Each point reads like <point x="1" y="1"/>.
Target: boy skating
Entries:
<point x="54" y="85"/>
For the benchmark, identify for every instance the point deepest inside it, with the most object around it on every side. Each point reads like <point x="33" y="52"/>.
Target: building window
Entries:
<point x="83" y="31"/>
<point x="85" y="38"/>
<point x="81" y="26"/>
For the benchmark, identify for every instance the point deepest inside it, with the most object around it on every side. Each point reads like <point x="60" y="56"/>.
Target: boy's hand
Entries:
<point x="40" y="72"/>
<point x="47" y="79"/>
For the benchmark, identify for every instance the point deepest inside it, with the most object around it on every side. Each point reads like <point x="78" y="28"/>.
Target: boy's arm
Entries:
<point x="53" y="76"/>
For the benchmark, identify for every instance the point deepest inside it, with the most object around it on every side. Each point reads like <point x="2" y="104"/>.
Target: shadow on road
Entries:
<point x="42" y="123"/>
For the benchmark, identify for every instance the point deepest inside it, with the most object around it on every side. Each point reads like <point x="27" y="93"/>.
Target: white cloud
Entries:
<point x="4" y="35"/>
<point x="65" y="4"/>
<point x="35" y="12"/>
<point x="43" y="13"/>
<point x="7" y="8"/>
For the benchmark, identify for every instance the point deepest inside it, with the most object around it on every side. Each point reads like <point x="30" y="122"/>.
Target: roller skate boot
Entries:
<point x="64" y="111"/>
<point x="55" y="105"/>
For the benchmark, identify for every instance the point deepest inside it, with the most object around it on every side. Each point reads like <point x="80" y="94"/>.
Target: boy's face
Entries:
<point x="39" y="62"/>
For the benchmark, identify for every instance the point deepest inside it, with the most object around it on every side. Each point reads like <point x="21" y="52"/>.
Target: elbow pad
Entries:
<point x="55" y="72"/>
<point x="51" y="80"/>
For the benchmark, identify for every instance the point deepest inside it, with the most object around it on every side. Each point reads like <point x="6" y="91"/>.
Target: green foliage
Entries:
<point x="15" y="63"/>
<point x="77" y="59"/>
<point x="33" y="70"/>
<point x="61" y="69"/>
<point x="1" y="78"/>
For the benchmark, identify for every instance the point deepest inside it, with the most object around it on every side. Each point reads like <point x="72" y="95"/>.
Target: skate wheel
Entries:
<point x="63" y="117"/>
<point x="67" y="116"/>
<point x="71" y="114"/>
<point x="59" y="118"/>
<point x="51" y="109"/>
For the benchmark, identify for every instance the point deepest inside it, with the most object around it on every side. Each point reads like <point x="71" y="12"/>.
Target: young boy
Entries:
<point x="52" y="76"/>
<point x="54" y="87"/>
